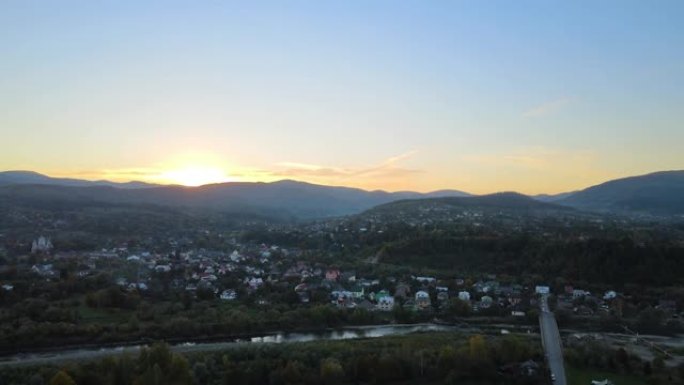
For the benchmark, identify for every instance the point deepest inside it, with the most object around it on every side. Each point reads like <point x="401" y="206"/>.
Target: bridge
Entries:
<point x="551" y="342"/>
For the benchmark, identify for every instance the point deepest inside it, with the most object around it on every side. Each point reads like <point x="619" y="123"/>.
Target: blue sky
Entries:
<point x="531" y="96"/>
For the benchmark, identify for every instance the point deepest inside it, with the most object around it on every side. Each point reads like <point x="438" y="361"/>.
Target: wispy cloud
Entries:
<point x="387" y="168"/>
<point x="547" y="108"/>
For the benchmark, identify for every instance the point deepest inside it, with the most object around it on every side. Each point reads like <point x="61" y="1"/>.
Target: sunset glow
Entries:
<point x="194" y="176"/>
<point x="375" y="95"/>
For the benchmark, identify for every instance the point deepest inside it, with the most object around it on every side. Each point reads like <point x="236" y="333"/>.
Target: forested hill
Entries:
<point x="506" y="201"/>
<point x="660" y="193"/>
<point x="286" y="198"/>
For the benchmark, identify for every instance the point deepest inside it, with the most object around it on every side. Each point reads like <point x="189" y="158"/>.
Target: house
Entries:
<point x="486" y="302"/>
<point x="529" y="368"/>
<point x="332" y="274"/>
<point x="542" y="290"/>
<point x="304" y="296"/>
<point x="402" y="291"/>
<point x="381" y="294"/>
<point x="43" y="270"/>
<point x="228" y="295"/>
<point x="162" y="268"/>
<point x="365" y="304"/>
<point x="254" y="282"/>
<point x="41" y="245"/>
<point x="422" y="299"/>
<point x="385" y="303"/>
<point x="610" y="294"/>
<point x="358" y="291"/>
<point x="425" y="280"/>
<point x="208" y="277"/>
<point x="601" y="382"/>
<point x="464" y="296"/>
<point x="7" y="287"/>
<point x="578" y="293"/>
<point x="236" y="257"/>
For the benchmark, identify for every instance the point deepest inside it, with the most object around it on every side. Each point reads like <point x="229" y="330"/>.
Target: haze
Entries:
<point x="549" y="97"/>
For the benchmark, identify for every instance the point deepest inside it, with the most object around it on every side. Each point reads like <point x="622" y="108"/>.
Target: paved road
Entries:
<point x="552" y="342"/>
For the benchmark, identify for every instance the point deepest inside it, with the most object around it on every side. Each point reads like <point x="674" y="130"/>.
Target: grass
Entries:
<point x="103" y="316"/>
<point x="585" y="376"/>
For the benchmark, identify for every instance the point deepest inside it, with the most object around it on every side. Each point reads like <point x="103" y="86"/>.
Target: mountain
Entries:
<point x="660" y="193"/>
<point x="552" y="197"/>
<point x="282" y="198"/>
<point x="30" y="177"/>
<point x="509" y="201"/>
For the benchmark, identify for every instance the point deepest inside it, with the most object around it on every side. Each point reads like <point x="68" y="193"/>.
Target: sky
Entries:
<point x="481" y="96"/>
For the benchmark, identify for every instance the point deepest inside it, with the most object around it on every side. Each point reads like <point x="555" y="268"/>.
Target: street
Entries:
<point x="551" y="342"/>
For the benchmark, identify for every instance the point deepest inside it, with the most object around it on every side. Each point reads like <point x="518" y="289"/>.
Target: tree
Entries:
<point x="61" y="378"/>
<point x="292" y="373"/>
<point x="458" y="307"/>
<point x="477" y="346"/>
<point x="331" y="371"/>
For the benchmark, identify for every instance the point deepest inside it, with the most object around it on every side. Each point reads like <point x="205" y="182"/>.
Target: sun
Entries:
<point x="193" y="176"/>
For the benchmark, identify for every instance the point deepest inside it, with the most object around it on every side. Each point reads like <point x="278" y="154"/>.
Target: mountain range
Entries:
<point x="660" y="193"/>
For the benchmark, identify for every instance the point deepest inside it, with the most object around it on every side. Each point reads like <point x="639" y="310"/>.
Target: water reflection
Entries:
<point x="337" y="334"/>
<point x="351" y="333"/>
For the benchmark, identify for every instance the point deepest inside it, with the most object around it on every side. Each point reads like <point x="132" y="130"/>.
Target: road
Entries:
<point x="551" y="341"/>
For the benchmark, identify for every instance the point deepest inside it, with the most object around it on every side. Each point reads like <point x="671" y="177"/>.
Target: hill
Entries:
<point x="660" y="193"/>
<point x="283" y="198"/>
<point x="30" y="177"/>
<point x="505" y="200"/>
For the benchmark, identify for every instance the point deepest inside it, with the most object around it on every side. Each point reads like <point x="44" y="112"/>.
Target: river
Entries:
<point x="347" y="333"/>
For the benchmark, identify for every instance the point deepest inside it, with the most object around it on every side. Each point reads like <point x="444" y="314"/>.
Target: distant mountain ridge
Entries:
<point x="660" y="193"/>
<point x="286" y="197"/>
<point x="31" y="177"/>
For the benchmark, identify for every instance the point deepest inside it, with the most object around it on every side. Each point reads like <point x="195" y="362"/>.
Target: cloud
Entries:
<point x="387" y="168"/>
<point x="547" y="108"/>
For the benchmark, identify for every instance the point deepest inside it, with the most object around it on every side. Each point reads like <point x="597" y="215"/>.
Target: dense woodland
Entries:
<point x="422" y="358"/>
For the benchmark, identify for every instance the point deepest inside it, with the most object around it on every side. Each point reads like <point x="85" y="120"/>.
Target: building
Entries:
<point x="385" y="303"/>
<point x="332" y="274"/>
<point x="464" y="296"/>
<point x="41" y="245"/>
<point x="229" y="295"/>
<point x="542" y="290"/>
<point x="422" y="299"/>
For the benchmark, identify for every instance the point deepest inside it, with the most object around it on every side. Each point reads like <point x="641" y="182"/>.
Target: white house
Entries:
<point x="422" y="299"/>
<point x="542" y="290"/>
<point x="424" y="280"/>
<point x="41" y="245"/>
<point x="228" y="295"/>
<point x="254" y="282"/>
<point x="464" y="296"/>
<point x="386" y="303"/>
<point x="610" y="294"/>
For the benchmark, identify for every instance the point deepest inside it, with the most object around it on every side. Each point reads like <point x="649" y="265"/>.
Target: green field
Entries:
<point x="585" y="376"/>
